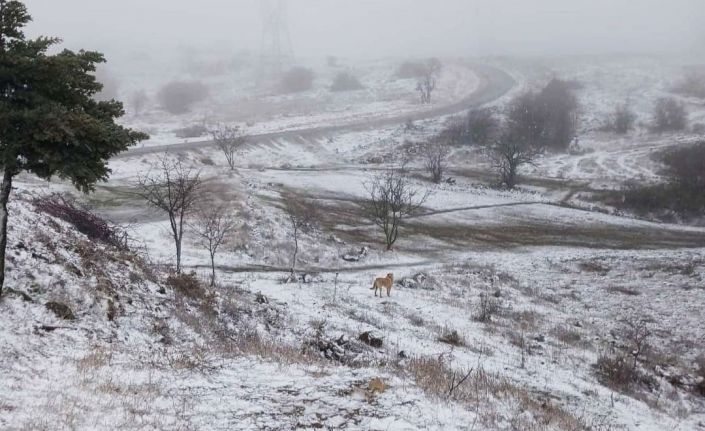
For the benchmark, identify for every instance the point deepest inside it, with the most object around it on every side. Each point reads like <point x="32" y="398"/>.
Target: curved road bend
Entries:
<point x="495" y="84"/>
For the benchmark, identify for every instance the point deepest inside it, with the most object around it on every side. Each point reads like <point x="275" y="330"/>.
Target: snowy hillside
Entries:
<point x="528" y="309"/>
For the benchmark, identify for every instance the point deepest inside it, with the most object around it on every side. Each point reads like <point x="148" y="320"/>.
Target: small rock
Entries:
<point x="402" y="355"/>
<point x="540" y="338"/>
<point x="62" y="311"/>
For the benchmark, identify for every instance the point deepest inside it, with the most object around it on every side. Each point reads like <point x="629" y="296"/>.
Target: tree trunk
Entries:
<point x="178" y="255"/>
<point x="212" y="269"/>
<point x="5" y="190"/>
<point x="296" y="250"/>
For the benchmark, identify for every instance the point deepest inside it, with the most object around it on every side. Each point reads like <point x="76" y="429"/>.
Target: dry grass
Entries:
<point x="570" y="336"/>
<point x="451" y="336"/>
<point x="624" y="290"/>
<point x="482" y="391"/>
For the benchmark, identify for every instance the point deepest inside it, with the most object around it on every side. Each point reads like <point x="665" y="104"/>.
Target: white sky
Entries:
<point x="374" y="28"/>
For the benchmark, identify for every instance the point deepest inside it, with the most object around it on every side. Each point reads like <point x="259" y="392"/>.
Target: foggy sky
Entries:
<point x="376" y="28"/>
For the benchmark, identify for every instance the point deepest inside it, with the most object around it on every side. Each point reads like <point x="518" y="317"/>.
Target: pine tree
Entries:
<point x="50" y="123"/>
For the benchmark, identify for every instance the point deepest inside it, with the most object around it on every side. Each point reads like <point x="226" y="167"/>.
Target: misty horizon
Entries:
<point x="373" y="29"/>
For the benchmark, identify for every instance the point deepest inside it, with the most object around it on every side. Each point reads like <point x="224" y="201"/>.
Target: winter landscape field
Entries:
<point x="548" y="264"/>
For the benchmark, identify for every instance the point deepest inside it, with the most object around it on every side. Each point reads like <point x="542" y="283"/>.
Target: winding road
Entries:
<point x="495" y="83"/>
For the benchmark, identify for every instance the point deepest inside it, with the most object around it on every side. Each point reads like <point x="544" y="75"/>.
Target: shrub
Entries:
<point x="86" y="222"/>
<point x="669" y="115"/>
<point x="345" y="81"/>
<point x="561" y="113"/>
<point x="179" y="97"/>
<point x="682" y="195"/>
<point x="187" y="285"/>
<point x="487" y="308"/>
<point x="482" y="126"/>
<point x="452" y="337"/>
<point x="685" y="165"/>
<point x="455" y="132"/>
<point x="411" y="69"/>
<point x="617" y="372"/>
<point x="692" y="84"/>
<point x="193" y="131"/>
<point x="547" y="119"/>
<point x="622" y="120"/>
<point x="296" y="80"/>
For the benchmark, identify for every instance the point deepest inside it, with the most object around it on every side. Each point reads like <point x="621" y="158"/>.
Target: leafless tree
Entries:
<point x="636" y="331"/>
<point x="508" y="154"/>
<point x="436" y="155"/>
<point x="302" y="219"/>
<point x="392" y="199"/>
<point x="229" y="140"/>
<point x="427" y="83"/>
<point x="213" y="225"/>
<point x="174" y="189"/>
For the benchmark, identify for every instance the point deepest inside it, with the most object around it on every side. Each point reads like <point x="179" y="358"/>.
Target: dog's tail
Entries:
<point x="374" y="286"/>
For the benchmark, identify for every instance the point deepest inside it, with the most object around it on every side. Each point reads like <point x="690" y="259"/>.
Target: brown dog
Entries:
<point x="381" y="283"/>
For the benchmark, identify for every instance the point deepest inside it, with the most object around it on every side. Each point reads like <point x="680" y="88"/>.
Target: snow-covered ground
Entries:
<point x="517" y="291"/>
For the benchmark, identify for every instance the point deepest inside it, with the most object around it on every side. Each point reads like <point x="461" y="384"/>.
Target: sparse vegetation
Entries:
<point x="192" y="131"/>
<point x="692" y="84"/>
<point x="428" y="79"/>
<point x="229" y="141"/>
<point x="302" y="219"/>
<point x="436" y="155"/>
<point x="483" y="127"/>
<point x="172" y="188"/>
<point x="511" y="152"/>
<point x="669" y="116"/>
<point x="179" y="97"/>
<point x="345" y="81"/>
<point x="214" y="225"/>
<point x="451" y="336"/>
<point x="297" y="80"/>
<point x="85" y="221"/>
<point x="683" y="196"/>
<point x="392" y="198"/>
<point x="622" y="120"/>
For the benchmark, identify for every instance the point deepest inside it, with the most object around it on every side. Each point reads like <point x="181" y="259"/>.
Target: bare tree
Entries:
<point x="436" y="155"/>
<point x="172" y="188"/>
<point x="229" y="140"/>
<point x="302" y="219"/>
<point x="508" y="154"/>
<point x="213" y="226"/>
<point x="392" y="199"/>
<point x="427" y="83"/>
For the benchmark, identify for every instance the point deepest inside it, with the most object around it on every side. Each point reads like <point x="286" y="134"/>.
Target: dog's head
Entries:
<point x="390" y="276"/>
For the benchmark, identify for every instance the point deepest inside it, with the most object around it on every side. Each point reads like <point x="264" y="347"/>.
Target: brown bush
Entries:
<point x="296" y="80"/>
<point x="86" y="222"/>
<point x="345" y="81"/>
<point x="452" y="337"/>
<point x="179" y="97"/>
<point x="187" y="285"/>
